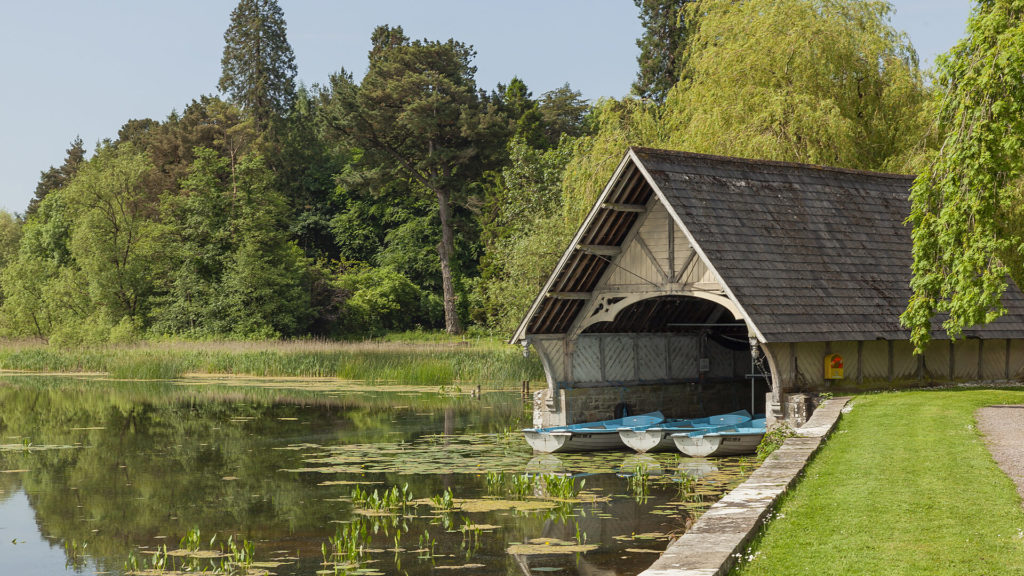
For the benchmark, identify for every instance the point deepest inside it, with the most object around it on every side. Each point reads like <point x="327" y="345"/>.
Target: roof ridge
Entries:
<point x="761" y="163"/>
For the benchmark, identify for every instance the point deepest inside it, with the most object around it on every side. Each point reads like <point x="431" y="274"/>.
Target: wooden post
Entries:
<point x="1007" y="366"/>
<point x="860" y="362"/>
<point x="981" y="359"/>
<point x="891" y="368"/>
<point x="952" y="361"/>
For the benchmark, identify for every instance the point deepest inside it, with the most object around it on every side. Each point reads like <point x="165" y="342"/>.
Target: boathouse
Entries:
<point x="703" y="284"/>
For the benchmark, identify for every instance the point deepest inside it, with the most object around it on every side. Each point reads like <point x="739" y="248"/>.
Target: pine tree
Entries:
<point x="418" y="118"/>
<point x="661" y="47"/>
<point x="258" y="67"/>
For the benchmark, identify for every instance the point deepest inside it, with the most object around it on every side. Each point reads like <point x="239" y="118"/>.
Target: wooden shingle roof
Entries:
<point x="811" y="253"/>
<point x="807" y="253"/>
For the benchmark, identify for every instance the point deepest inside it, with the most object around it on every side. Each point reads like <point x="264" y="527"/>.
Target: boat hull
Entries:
<point x="644" y="441"/>
<point x="726" y="444"/>
<point x="573" y="441"/>
<point x="587" y="436"/>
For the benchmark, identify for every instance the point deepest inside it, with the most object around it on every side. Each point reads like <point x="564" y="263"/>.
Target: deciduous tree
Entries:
<point x="797" y="80"/>
<point x="967" y="206"/>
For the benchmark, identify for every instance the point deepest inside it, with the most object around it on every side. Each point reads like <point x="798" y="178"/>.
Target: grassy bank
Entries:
<point x="904" y="486"/>
<point x="431" y="360"/>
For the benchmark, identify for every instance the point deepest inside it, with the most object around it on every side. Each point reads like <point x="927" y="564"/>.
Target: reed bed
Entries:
<point x="439" y="361"/>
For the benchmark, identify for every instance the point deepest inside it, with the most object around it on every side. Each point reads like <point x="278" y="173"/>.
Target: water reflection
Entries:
<point x="126" y="467"/>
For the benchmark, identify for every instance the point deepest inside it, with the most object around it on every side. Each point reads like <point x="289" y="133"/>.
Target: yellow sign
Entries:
<point x="833" y="367"/>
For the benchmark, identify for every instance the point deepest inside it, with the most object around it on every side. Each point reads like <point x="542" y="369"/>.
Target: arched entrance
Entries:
<point x="682" y="354"/>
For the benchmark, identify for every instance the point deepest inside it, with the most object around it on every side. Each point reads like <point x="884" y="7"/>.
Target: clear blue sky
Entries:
<point x="84" y="68"/>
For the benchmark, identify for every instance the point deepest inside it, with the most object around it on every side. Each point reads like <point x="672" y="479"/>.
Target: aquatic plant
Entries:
<point x="426" y="545"/>
<point x="160" y="559"/>
<point x="639" y="483"/>
<point x="346" y="548"/>
<point x="521" y="485"/>
<point x="240" y="557"/>
<point x="495" y="483"/>
<point x="74" y="552"/>
<point x="431" y="362"/>
<point x="562" y="487"/>
<point x="190" y="541"/>
<point x="444" y="501"/>
<point x="581" y="536"/>
<point x="470" y="537"/>
<point x="394" y="498"/>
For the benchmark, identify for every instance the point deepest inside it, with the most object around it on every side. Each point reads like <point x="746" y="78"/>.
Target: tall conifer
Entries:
<point x="661" y="47"/>
<point x="258" y="67"/>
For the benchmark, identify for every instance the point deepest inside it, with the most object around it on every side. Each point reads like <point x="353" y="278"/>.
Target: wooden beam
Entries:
<point x="614" y="207"/>
<point x="684" y="272"/>
<point x="570" y="295"/>
<point x="639" y="239"/>
<point x="599" y="250"/>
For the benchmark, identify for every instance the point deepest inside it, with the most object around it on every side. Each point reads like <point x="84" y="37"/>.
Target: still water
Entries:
<point x="278" y="477"/>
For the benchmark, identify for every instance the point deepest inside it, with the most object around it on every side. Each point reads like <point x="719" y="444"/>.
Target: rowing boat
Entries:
<point x="658" y="437"/>
<point x="586" y="436"/>
<point x="730" y="441"/>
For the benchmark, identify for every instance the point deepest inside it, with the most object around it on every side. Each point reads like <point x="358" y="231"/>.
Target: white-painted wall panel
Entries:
<point x="874" y="363"/>
<point x="651" y="358"/>
<point x="619" y="359"/>
<point x="1017" y="359"/>
<point x="810" y="362"/>
<point x="994" y="360"/>
<point x="683" y="354"/>
<point x="966" y="352"/>
<point x="586" y="359"/>
<point x="633" y="268"/>
<point x="904" y="362"/>
<point x="655" y="234"/>
<point x="936" y="360"/>
<point x="683" y="250"/>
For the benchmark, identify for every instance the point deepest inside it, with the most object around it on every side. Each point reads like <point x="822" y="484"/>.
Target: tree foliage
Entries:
<point x="662" y="48"/>
<point x="413" y="198"/>
<point x="967" y="205"/>
<point x="795" y="80"/>
<point x="55" y="178"/>
<point x="258" y="66"/>
<point x="417" y="117"/>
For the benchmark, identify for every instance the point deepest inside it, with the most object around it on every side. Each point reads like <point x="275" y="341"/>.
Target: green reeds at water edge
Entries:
<point x="433" y="363"/>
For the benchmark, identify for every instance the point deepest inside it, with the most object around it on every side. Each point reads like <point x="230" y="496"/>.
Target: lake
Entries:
<point x="309" y="477"/>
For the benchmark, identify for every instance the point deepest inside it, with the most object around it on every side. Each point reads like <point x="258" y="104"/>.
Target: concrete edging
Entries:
<point x="709" y="548"/>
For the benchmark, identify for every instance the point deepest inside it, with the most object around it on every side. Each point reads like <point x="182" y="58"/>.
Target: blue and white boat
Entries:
<point x="726" y="441"/>
<point x="587" y="436"/>
<point x="658" y="437"/>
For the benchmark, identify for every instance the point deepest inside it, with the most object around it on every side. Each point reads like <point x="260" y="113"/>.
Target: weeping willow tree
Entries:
<point x="816" y="81"/>
<point x="822" y="82"/>
<point x="792" y="80"/>
<point x="967" y="206"/>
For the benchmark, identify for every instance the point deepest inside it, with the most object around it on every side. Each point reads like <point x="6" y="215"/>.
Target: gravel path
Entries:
<point x="1003" y="427"/>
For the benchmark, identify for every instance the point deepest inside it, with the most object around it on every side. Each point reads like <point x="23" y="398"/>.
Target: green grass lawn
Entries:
<point x="905" y="485"/>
